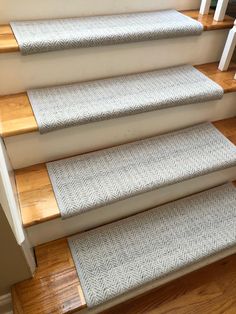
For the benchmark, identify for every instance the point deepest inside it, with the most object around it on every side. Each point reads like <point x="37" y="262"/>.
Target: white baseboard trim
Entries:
<point x="6" y="304"/>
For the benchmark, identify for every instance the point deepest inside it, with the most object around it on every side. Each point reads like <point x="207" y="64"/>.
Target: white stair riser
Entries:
<point x="58" y="228"/>
<point x="32" y="148"/>
<point x="28" y="9"/>
<point x="19" y="73"/>
<point x="160" y="282"/>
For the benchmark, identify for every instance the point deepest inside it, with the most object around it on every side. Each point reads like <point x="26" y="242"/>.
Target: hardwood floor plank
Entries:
<point x="55" y="287"/>
<point x="227" y="127"/>
<point x="36" y="196"/>
<point x="224" y="79"/>
<point x="57" y="293"/>
<point x="53" y="257"/>
<point x="17" y="116"/>
<point x="208" y="20"/>
<point x="8" y="41"/>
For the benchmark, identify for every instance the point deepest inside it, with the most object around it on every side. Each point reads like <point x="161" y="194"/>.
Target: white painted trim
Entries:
<point x="19" y="73"/>
<point x="48" y="9"/>
<point x="8" y="195"/>
<point x="221" y="10"/>
<point x="57" y="228"/>
<point x="228" y="49"/>
<point x="29" y="254"/>
<point x="6" y="304"/>
<point x="205" y="7"/>
<point x="160" y="282"/>
<point x="10" y="206"/>
<point x="33" y="148"/>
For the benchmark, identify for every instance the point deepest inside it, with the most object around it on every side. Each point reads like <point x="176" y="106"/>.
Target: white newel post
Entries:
<point x="221" y="10"/>
<point x="228" y="50"/>
<point x="205" y="7"/>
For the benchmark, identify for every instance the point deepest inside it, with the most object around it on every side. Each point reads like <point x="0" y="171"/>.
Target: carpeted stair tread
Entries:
<point x="66" y="106"/>
<point x="100" y="178"/>
<point x="116" y="258"/>
<point x="49" y="35"/>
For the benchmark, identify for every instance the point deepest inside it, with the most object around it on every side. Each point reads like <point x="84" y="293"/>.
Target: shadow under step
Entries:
<point x="201" y="240"/>
<point x="83" y="210"/>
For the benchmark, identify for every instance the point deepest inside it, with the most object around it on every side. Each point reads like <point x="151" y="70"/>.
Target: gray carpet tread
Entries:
<point x="97" y="179"/>
<point x="49" y="35"/>
<point x="119" y="257"/>
<point x="70" y="105"/>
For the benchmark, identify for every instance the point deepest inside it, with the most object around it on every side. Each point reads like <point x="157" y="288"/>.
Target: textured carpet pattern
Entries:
<point x="100" y="178"/>
<point x="127" y="254"/>
<point x="48" y="35"/>
<point x="70" y="105"/>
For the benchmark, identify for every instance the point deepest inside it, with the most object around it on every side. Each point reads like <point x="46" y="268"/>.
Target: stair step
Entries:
<point x="35" y="192"/>
<point x="98" y="179"/>
<point x="56" y="271"/>
<point x="114" y="259"/>
<point x="66" y="106"/>
<point x="18" y="117"/>
<point x="8" y="42"/>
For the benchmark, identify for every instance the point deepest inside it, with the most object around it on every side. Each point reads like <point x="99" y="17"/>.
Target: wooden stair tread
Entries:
<point x="8" y="41"/>
<point x="35" y="192"/>
<point x="16" y="115"/>
<point x="208" y="21"/>
<point x="224" y="79"/>
<point x="18" y="118"/>
<point x="55" y="287"/>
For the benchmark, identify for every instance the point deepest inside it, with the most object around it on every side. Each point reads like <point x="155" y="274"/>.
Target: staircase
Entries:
<point x="119" y="138"/>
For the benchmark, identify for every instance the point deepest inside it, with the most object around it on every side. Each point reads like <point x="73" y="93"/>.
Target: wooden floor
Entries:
<point x="17" y="116"/>
<point x="36" y="196"/>
<point x="8" y="41"/>
<point x="55" y="288"/>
